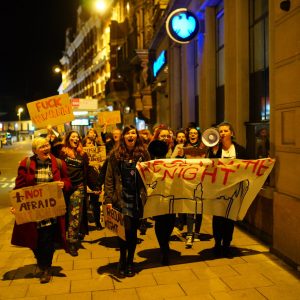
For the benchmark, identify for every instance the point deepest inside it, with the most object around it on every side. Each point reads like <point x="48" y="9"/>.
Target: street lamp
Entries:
<point x="100" y="6"/>
<point x="56" y="69"/>
<point x="20" y="110"/>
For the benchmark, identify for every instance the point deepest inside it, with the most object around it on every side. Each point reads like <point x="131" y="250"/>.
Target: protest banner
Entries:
<point x="114" y="221"/>
<point x="221" y="187"/>
<point x="97" y="155"/>
<point x="38" y="202"/>
<point x="55" y="110"/>
<point x="109" y="117"/>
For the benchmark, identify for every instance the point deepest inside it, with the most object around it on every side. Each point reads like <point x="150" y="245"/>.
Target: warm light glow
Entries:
<point x="56" y="69"/>
<point x="100" y="6"/>
<point x="20" y="110"/>
<point x="80" y="113"/>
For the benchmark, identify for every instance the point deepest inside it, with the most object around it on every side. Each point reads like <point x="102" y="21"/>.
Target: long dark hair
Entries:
<point x="139" y="151"/>
<point x="67" y="149"/>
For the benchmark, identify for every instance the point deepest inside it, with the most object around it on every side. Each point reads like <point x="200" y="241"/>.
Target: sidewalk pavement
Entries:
<point x="253" y="272"/>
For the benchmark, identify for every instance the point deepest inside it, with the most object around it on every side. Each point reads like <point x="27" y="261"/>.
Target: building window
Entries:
<point x="259" y="61"/>
<point x="220" y="62"/>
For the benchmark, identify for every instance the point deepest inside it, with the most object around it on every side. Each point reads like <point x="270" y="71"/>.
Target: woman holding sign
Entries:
<point x="223" y="227"/>
<point x="123" y="188"/>
<point x="77" y="164"/>
<point x="40" y="236"/>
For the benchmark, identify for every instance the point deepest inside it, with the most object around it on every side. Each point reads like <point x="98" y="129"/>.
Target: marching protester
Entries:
<point x="94" y="186"/>
<point x="94" y="137"/>
<point x="163" y="133"/>
<point x="198" y="150"/>
<point x="123" y="188"/>
<point x="178" y="152"/>
<point x="160" y="147"/>
<point x="223" y="227"/>
<point x="77" y="165"/>
<point x="41" y="236"/>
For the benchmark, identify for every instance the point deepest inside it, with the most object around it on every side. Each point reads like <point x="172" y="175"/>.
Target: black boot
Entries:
<point x="45" y="276"/>
<point x="122" y="267"/>
<point x="73" y="249"/>
<point x="130" y="272"/>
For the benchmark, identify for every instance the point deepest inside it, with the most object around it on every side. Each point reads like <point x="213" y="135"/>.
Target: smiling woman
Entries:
<point x="123" y="189"/>
<point x="77" y="164"/>
<point x="41" y="236"/>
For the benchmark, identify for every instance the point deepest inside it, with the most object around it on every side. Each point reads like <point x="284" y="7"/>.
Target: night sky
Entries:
<point x="32" y="41"/>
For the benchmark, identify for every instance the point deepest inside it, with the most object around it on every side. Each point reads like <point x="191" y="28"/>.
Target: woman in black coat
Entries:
<point x="123" y="188"/>
<point x="223" y="227"/>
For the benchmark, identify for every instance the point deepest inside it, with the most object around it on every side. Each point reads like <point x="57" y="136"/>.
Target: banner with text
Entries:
<point x="51" y="111"/>
<point x="114" y="221"/>
<point x="221" y="187"/>
<point x="38" y="202"/>
<point x="97" y="155"/>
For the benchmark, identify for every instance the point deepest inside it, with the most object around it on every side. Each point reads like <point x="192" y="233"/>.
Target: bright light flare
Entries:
<point x="100" y="6"/>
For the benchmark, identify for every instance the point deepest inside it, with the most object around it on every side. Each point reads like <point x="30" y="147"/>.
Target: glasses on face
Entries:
<point x="193" y="132"/>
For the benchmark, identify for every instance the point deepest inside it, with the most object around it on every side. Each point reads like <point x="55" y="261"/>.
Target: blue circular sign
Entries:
<point x="182" y="25"/>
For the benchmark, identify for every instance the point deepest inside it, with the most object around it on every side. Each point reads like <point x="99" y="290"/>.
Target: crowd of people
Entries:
<point x="65" y="161"/>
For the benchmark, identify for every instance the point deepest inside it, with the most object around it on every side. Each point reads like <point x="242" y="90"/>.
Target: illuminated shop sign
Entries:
<point x="182" y="25"/>
<point x="80" y="122"/>
<point x="160" y="62"/>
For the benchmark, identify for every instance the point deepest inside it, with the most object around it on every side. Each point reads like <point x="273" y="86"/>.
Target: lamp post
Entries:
<point x="20" y="110"/>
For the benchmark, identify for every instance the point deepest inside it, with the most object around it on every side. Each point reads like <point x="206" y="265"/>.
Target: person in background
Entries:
<point x="40" y="236"/>
<point x="94" y="187"/>
<point x="93" y="135"/>
<point x="223" y="227"/>
<point x="123" y="192"/>
<point x="77" y="165"/>
<point x="262" y="143"/>
<point x="159" y="148"/>
<point x="162" y="133"/>
<point x="145" y="135"/>
<point x="180" y="140"/>
<point x="55" y="140"/>
<point x="194" y="142"/>
<point x="178" y="152"/>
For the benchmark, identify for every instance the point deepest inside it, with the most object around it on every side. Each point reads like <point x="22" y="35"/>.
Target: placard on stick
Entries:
<point x="109" y="117"/>
<point x="55" y="110"/>
<point x="114" y="221"/>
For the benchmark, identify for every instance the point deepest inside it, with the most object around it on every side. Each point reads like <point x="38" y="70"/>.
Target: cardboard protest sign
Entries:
<point x="221" y="187"/>
<point x="97" y="155"/>
<point x="55" y="110"/>
<point x="194" y="152"/>
<point x="114" y="221"/>
<point x="109" y="117"/>
<point x="38" y="202"/>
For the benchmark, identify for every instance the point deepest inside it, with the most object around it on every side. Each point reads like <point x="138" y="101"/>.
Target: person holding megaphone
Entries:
<point x="226" y="148"/>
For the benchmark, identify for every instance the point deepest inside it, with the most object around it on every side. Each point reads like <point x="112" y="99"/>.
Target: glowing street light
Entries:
<point x="20" y="110"/>
<point x="56" y="69"/>
<point x="100" y="6"/>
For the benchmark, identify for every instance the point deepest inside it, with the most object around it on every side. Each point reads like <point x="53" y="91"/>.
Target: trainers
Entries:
<point x="196" y="237"/>
<point x="189" y="241"/>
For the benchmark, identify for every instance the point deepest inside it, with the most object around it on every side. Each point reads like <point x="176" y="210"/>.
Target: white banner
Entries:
<point x="221" y="187"/>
